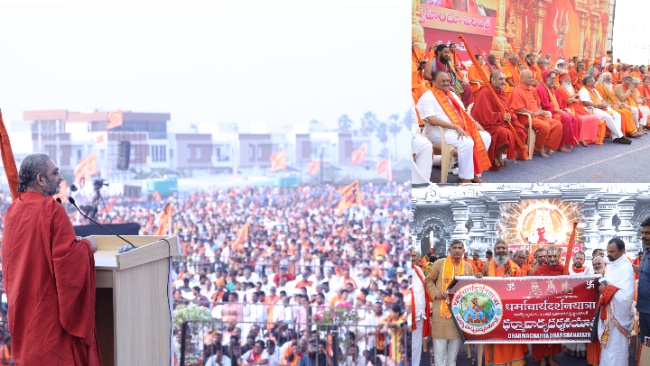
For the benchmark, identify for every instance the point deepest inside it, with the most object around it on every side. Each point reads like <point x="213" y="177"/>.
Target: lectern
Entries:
<point x="133" y="309"/>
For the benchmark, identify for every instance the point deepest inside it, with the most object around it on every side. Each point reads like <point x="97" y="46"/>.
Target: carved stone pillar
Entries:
<point x="583" y="28"/>
<point x="539" y="24"/>
<point x="417" y="36"/>
<point x="595" y="25"/>
<point x="499" y="40"/>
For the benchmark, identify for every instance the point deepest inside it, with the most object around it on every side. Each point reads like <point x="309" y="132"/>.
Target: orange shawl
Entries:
<point x="460" y="118"/>
<point x="448" y="274"/>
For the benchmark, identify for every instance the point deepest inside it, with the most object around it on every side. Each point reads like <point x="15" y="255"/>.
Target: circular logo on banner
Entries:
<point x="477" y="308"/>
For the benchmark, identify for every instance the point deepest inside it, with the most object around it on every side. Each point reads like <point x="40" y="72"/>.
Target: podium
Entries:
<point x="133" y="307"/>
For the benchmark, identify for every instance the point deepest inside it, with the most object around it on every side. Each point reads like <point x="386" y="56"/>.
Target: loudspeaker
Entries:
<point x="123" y="155"/>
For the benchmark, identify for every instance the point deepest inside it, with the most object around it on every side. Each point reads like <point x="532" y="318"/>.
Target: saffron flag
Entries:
<point x="242" y="234"/>
<point x="385" y="167"/>
<point x="278" y="161"/>
<point x="165" y="220"/>
<point x="314" y="166"/>
<point x="115" y="119"/>
<point x="351" y="196"/>
<point x="157" y="197"/>
<point x="358" y="155"/>
<point x="8" y="160"/>
<point x="107" y="209"/>
<point x="99" y="139"/>
<point x="569" y="249"/>
<point x="86" y="168"/>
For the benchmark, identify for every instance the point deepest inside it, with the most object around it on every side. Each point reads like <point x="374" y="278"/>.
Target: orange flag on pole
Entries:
<point x="358" y="156"/>
<point x="8" y="160"/>
<point x="569" y="249"/>
<point x="165" y="220"/>
<point x="385" y="167"/>
<point x="86" y="168"/>
<point x="115" y="119"/>
<point x="157" y="197"/>
<point x="278" y="161"/>
<point x="242" y="234"/>
<point x="313" y="167"/>
<point x="351" y="196"/>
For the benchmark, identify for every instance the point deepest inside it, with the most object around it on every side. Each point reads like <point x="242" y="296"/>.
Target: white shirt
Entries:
<point x="428" y="106"/>
<point x="245" y="356"/>
<point x="274" y="359"/>
<point x="586" y="97"/>
<point x="225" y="361"/>
<point x="419" y="296"/>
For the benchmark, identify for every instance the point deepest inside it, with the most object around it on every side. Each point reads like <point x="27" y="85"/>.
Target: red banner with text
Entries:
<point x="545" y="309"/>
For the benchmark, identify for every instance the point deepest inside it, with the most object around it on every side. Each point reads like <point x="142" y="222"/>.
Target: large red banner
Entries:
<point x="545" y="309"/>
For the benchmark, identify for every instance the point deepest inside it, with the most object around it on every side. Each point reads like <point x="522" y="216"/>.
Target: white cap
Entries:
<point x="560" y="61"/>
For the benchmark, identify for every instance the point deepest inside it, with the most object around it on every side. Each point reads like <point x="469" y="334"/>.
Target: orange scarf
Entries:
<point x="551" y="96"/>
<point x="596" y="99"/>
<point x="426" y="324"/>
<point x="448" y="274"/>
<point x="578" y="270"/>
<point x="460" y="118"/>
<point x="492" y="270"/>
<point x="629" y="99"/>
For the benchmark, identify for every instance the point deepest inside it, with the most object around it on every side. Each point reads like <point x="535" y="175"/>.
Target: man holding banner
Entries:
<point x="446" y="340"/>
<point x="502" y="266"/>
<point x="552" y="267"/>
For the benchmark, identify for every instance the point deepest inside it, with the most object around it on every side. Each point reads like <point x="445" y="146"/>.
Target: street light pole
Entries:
<point x="322" y="149"/>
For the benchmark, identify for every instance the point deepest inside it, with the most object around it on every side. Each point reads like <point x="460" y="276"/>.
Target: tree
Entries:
<point x="368" y="123"/>
<point x="345" y="124"/>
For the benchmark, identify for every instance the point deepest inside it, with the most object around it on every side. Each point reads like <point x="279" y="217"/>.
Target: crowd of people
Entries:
<point x="263" y="260"/>
<point x="623" y="297"/>
<point x="484" y="108"/>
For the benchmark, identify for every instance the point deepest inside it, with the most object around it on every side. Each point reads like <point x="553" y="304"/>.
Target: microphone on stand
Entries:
<point x="122" y="249"/>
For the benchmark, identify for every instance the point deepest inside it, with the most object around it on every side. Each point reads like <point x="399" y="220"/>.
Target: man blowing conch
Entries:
<point x="49" y="274"/>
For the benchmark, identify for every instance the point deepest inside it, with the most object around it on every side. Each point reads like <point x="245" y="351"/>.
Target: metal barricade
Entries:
<point x="345" y="344"/>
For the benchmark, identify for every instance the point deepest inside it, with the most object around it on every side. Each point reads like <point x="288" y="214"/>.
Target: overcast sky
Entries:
<point x="277" y="62"/>
<point x="631" y="38"/>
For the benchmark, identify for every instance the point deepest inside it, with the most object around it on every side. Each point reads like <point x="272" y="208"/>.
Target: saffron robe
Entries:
<point x="505" y="354"/>
<point x="549" y="102"/>
<point x="588" y="123"/>
<point x="50" y="283"/>
<point x="549" y="130"/>
<point x="542" y="350"/>
<point x="627" y="119"/>
<point x="486" y="112"/>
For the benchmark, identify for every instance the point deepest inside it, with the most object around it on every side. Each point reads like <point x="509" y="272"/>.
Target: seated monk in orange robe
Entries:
<point x="524" y="99"/>
<point x="486" y="111"/>
<point x="512" y="72"/>
<point x="550" y="102"/>
<point x="605" y="88"/>
<point x="473" y="74"/>
<point x="569" y="99"/>
<point x="49" y="274"/>
<point x="552" y="267"/>
<point x="644" y="93"/>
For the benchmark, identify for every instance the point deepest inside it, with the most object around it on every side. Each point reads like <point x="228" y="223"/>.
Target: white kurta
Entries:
<point x="428" y="106"/>
<point x="419" y="302"/>
<point x="621" y="275"/>
<point x="613" y="121"/>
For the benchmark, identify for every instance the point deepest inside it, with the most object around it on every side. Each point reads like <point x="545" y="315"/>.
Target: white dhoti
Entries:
<point x="416" y="343"/>
<point x="446" y="351"/>
<point x="465" y="147"/>
<point x="644" y="119"/>
<point x="621" y="275"/>
<point x="423" y="150"/>
<point x="613" y="122"/>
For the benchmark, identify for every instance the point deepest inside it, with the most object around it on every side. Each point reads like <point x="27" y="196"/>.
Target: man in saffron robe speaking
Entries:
<point x="49" y="274"/>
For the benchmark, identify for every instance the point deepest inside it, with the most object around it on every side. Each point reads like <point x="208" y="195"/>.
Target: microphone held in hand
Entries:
<point x="122" y="249"/>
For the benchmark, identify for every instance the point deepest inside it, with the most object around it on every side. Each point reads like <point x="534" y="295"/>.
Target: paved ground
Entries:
<point x="607" y="163"/>
<point x="562" y="359"/>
